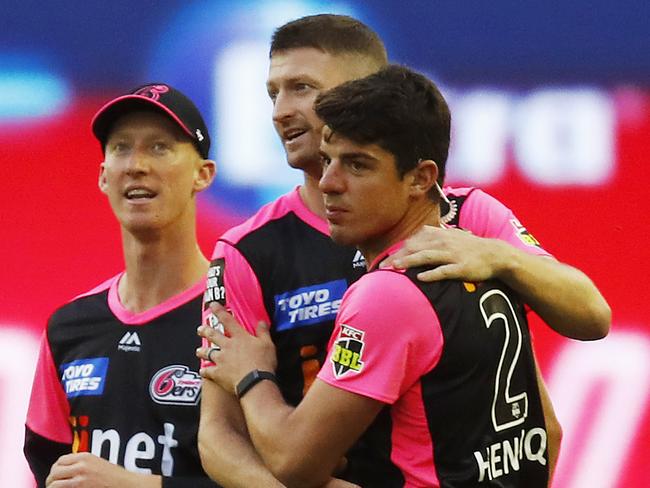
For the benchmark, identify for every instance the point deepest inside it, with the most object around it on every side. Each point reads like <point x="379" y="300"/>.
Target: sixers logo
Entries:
<point x="175" y="385"/>
<point x="152" y="91"/>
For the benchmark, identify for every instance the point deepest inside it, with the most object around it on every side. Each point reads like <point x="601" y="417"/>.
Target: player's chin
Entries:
<point x="304" y="159"/>
<point x="342" y="234"/>
<point x="143" y="226"/>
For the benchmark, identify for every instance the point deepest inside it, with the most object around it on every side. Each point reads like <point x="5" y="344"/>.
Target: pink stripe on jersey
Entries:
<point x="409" y="410"/>
<point x="48" y="410"/>
<point x="485" y="216"/>
<point x="401" y="340"/>
<point x="243" y="292"/>
<point x="132" y="318"/>
<point x="290" y="202"/>
<point x="383" y="255"/>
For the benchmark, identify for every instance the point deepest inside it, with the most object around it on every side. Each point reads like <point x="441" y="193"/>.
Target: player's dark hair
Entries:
<point x="334" y="34"/>
<point x="396" y="108"/>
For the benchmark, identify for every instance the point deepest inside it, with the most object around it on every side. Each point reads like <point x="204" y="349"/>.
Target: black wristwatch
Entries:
<point x="253" y="378"/>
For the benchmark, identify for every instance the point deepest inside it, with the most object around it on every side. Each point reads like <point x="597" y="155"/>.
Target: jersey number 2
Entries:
<point x="508" y="409"/>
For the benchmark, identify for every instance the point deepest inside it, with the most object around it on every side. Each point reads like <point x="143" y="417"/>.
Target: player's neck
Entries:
<point x="419" y="214"/>
<point x="159" y="268"/>
<point x="312" y="196"/>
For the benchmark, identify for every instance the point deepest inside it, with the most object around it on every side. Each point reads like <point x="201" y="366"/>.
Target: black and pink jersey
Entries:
<point x="454" y="364"/>
<point x="121" y="385"/>
<point x="281" y="266"/>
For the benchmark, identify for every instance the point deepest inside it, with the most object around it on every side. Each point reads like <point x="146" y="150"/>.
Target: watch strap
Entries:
<point x="253" y="378"/>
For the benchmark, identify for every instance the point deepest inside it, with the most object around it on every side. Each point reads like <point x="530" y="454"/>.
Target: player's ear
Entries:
<point x="206" y="171"/>
<point x="103" y="186"/>
<point x="424" y="177"/>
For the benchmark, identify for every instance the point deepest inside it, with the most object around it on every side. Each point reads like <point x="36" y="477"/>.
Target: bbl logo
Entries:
<point x="347" y="351"/>
<point x="523" y="234"/>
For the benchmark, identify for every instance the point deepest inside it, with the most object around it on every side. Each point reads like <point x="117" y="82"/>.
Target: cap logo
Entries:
<point x="152" y="91"/>
<point x="199" y="135"/>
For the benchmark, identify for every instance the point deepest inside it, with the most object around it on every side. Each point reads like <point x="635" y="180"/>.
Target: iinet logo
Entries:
<point x="130" y="342"/>
<point x="132" y="453"/>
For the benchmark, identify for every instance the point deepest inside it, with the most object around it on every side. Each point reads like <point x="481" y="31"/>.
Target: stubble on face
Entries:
<point x="296" y="78"/>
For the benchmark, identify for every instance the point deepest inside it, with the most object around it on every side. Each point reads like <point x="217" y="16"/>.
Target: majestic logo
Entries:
<point x="523" y="234"/>
<point x="175" y="385"/>
<point x="130" y="342"/>
<point x="152" y="91"/>
<point x="308" y="305"/>
<point x="348" y="350"/>
<point x="84" y="377"/>
<point x="358" y="261"/>
<point x="215" y="288"/>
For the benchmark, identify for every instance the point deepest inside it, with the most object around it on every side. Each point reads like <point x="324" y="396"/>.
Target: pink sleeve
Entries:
<point x="386" y="336"/>
<point x="232" y="282"/>
<point x="485" y="216"/>
<point x="48" y="410"/>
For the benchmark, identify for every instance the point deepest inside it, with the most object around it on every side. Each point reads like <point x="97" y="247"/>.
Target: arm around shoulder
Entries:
<point x="563" y="296"/>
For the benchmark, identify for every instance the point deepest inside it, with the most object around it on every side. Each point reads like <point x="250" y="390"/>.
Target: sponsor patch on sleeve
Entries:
<point x="84" y="377"/>
<point x="308" y="305"/>
<point x="523" y="234"/>
<point x="215" y="290"/>
<point x="348" y="351"/>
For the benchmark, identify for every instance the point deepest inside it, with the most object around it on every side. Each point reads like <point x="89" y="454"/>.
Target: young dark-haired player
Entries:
<point x="116" y="384"/>
<point x="440" y="376"/>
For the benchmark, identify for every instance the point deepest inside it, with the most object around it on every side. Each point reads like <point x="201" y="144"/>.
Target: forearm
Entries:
<point x="279" y="438"/>
<point x="226" y="451"/>
<point x="230" y="459"/>
<point x="564" y="297"/>
<point x="138" y="480"/>
<point x="187" y="482"/>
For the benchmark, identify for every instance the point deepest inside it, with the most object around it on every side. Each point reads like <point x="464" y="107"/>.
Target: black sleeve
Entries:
<point x="41" y="453"/>
<point x="188" y="482"/>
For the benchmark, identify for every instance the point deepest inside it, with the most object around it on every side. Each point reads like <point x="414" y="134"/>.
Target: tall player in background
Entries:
<point x="420" y="365"/>
<point x="281" y="267"/>
<point x="116" y="377"/>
